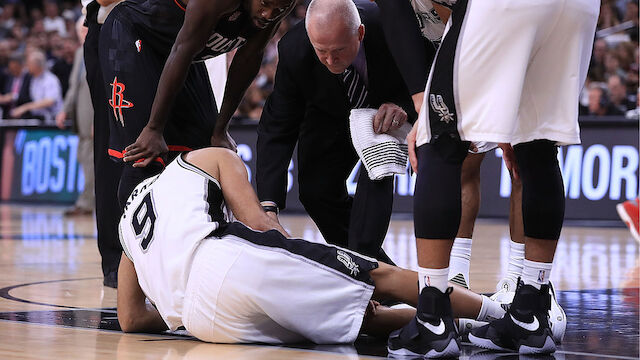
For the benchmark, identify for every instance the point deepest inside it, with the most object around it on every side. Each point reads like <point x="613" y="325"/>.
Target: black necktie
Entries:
<point x="356" y="88"/>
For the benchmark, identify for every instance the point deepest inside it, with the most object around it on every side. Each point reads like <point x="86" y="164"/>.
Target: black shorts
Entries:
<point x="132" y="59"/>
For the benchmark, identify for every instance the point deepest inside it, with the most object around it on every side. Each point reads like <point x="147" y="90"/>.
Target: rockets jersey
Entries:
<point x="159" y="21"/>
<point x="162" y="228"/>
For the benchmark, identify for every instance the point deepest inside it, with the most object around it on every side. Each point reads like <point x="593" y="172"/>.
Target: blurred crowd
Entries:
<point x="612" y="82"/>
<point x="38" y="42"/>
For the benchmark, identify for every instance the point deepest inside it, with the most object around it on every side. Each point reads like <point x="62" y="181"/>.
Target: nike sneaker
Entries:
<point x="557" y="317"/>
<point x="505" y="290"/>
<point x="432" y="332"/>
<point x="525" y="326"/>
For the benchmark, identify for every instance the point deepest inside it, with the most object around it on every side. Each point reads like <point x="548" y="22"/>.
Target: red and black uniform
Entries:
<point x="136" y="40"/>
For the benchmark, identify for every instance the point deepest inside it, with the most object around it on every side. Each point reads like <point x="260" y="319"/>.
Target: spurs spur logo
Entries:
<point x="348" y="262"/>
<point x="438" y="105"/>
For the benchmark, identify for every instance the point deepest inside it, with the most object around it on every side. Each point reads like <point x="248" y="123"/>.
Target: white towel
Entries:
<point x="382" y="154"/>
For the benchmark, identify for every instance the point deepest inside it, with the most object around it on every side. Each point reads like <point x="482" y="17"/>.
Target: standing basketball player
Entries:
<point x="510" y="73"/>
<point x="156" y="92"/>
<point x="233" y="282"/>
<point x="106" y="172"/>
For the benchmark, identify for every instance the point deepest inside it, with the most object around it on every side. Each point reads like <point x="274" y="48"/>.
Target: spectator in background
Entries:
<point x="618" y="94"/>
<point x="15" y="90"/>
<point x="52" y="21"/>
<point x="78" y="108"/>
<point x="600" y="49"/>
<point x="608" y="15"/>
<point x="62" y="60"/>
<point x="635" y="112"/>
<point x="45" y="91"/>
<point x="599" y="103"/>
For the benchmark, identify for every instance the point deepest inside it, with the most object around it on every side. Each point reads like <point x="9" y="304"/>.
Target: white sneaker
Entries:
<point x="505" y="291"/>
<point x="557" y="317"/>
<point x="466" y="325"/>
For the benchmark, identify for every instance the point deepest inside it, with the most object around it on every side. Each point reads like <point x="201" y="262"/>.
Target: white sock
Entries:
<point x="490" y="310"/>
<point x="516" y="256"/>
<point x="460" y="259"/>
<point x="433" y="277"/>
<point x="536" y="273"/>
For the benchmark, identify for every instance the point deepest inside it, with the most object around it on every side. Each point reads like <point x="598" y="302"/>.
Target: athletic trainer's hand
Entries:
<point x="411" y="143"/>
<point x="223" y="140"/>
<point x="509" y="157"/>
<point x="149" y="145"/>
<point x="389" y="116"/>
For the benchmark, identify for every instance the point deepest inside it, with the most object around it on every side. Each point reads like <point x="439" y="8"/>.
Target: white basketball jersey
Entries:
<point x="430" y="23"/>
<point x="161" y="234"/>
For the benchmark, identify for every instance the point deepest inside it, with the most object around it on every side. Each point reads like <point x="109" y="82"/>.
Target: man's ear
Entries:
<point x="360" y="32"/>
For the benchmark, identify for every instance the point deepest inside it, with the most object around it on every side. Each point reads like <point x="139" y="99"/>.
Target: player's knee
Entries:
<point x="437" y="199"/>
<point x="542" y="189"/>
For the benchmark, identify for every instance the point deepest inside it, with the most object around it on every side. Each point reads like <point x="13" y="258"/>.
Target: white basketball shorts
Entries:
<point x="510" y="71"/>
<point x="248" y="286"/>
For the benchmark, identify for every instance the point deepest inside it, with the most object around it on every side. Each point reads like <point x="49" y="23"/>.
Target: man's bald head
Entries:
<point x="329" y="14"/>
<point x="335" y="31"/>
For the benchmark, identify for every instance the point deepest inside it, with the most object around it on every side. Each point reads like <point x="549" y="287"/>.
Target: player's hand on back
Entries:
<point x="223" y="140"/>
<point x="149" y="145"/>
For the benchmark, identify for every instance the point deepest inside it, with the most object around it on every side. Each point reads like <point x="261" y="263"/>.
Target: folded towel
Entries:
<point x="382" y="154"/>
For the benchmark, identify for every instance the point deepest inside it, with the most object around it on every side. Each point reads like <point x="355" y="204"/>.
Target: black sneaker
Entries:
<point x="524" y="328"/>
<point x="431" y="333"/>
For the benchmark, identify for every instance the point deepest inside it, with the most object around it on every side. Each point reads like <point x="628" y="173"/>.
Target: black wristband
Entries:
<point x="270" y="208"/>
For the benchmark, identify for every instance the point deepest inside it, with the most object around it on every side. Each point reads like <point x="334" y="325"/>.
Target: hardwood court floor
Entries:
<point x="53" y="304"/>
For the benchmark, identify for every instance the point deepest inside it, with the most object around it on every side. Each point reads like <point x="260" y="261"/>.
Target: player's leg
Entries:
<point x="526" y="328"/>
<point x="370" y="216"/>
<point x="461" y="251"/>
<point x="550" y="115"/>
<point x="107" y="172"/>
<point x="392" y="282"/>
<point x="131" y="74"/>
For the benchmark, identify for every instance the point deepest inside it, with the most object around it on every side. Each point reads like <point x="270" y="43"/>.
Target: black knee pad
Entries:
<point x="542" y="189"/>
<point x="436" y="199"/>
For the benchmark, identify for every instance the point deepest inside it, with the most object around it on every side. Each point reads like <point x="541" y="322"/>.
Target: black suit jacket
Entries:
<point x="309" y="106"/>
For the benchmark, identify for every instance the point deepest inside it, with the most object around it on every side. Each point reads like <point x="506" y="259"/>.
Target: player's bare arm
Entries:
<point x="201" y="17"/>
<point x="243" y="69"/>
<point x="236" y="189"/>
<point x="134" y="313"/>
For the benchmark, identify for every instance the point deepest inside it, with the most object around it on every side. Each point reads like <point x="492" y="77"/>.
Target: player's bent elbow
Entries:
<point x="129" y="323"/>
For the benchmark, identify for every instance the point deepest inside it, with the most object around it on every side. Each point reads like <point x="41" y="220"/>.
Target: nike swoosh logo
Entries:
<point x="438" y="330"/>
<point x="532" y="326"/>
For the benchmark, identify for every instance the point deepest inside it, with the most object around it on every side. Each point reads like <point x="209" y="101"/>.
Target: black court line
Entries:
<point x="4" y="292"/>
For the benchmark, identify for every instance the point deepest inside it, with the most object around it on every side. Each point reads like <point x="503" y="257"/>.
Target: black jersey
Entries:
<point x="159" y="21"/>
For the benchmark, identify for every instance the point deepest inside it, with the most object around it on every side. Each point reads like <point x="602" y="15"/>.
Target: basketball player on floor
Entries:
<point x="151" y="54"/>
<point x="245" y="281"/>
<point x="508" y="73"/>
